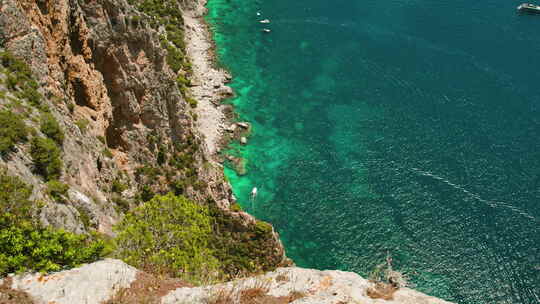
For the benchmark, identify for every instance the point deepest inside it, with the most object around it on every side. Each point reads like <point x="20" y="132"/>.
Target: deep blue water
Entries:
<point x="409" y="127"/>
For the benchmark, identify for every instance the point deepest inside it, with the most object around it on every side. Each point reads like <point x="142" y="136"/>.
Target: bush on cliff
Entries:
<point x="20" y="80"/>
<point x="57" y="191"/>
<point x="50" y="127"/>
<point x="46" y="156"/>
<point x="14" y="197"/>
<point x="169" y="235"/>
<point x="12" y="130"/>
<point x="243" y="249"/>
<point x="26" y="245"/>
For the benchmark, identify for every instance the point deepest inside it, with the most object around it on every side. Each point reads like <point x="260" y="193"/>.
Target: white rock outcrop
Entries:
<point x="302" y="286"/>
<point x="91" y="283"/>
<point x="98" y="282"/>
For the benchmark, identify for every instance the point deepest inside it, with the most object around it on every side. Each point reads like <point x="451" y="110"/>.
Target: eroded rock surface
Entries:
<point x="104" y="74"/>
<point x="111" y="279"/>
<point x="92" y="283"/>
<point x="295" y="285"/>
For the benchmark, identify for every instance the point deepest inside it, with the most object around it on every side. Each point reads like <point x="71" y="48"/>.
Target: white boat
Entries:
<point x="530" y="8"/>
<point x="265" y="21"/>
<point x="265" y="30"/>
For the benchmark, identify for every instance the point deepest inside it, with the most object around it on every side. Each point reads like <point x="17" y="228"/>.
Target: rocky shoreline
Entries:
<point x="209" y="85"/>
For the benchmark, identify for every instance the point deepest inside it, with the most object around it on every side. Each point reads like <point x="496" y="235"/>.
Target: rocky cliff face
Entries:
<point x="106" y="79"/>
<point x="116" y="78"/>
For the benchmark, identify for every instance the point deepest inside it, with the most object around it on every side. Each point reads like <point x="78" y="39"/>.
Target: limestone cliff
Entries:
<point x="102" y="67"/>
<point x="115" y="78"/>
<point x="111" y="281"/>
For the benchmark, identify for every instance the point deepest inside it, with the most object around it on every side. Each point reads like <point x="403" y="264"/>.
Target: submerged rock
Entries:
<point x="244" y="125"/>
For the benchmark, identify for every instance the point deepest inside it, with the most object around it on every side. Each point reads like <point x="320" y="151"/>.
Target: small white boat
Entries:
<point x="265" y="21"/>
<point x="265" y="30"/>
<point x="253" y="193"/>
<point x="529" y="8"/>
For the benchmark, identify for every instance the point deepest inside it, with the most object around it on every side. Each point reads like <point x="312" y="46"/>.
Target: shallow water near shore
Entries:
<point x="403" y="127"/>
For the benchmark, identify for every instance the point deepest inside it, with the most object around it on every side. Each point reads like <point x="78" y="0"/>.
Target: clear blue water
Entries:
<point x="409" y="127"/>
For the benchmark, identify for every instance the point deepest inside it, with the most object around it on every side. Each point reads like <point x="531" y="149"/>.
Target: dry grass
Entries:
<point x="256" y="294"/>
<point x="11" y="296"/>
<point x="222" y="296"/>
<point x="381" y="290"/>
<point x="146" y="289"/>
<point x="282" y="278"/>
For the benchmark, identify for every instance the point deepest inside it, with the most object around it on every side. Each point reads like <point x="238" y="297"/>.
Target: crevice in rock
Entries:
<point x="113" y="136"/>
<point x="81" y="96"/>
<point x="74" y="36"/>
<point x="42" y="5"/>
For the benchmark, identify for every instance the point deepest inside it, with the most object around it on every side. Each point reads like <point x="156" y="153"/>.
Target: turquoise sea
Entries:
<point x="409" y="127"/>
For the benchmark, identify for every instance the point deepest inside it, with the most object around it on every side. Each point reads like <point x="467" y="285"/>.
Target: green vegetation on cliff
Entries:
<point x="169" y="234"/>
<point x="26" y="245"/>
<point x="51" y="128"/>
<point x="12" y="130"/>
<point x="45" y="152"/>
<point x="175" y="236"/>
<point x="20" y="80"/>
<point x="167" y="13"/>
<point x="46" y="156"/>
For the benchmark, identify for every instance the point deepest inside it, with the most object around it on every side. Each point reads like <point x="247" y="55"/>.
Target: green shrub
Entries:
<point x="120" y="204"/>
<point x="175" y="58"/>
<point x="71" y="107"/>
<point x="25" y="245"/>
<point x="107" y="153"/>
<point x="178" y="186"/>
<point x="183" y="81"/>
<point x="148" y="171"/>
<point x="241" y="249"/>
<point x="146" y="193"/>
<point x="235" y="207"/>
<point x="162" y="155"/>
<point x="30" y="93"/>
<point x="118" y="186"/>
<point x="263" y="228"/>
<point x="20" y="76"/>
<point x="57" y="190"/>
<point x="14" y="197"/>
<point x="82" y="124"/>
<point x="169" y="234"/>
<point x="50" y="127"/>
<point x="101" y="139"/>
<point x="46" y="156"/>
<point x="12" y="130"/>
<point x="192" y="102"/>
<point x="84" y="217"/>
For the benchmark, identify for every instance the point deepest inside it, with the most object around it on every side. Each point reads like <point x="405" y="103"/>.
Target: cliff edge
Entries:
<point x="112" y="281"/>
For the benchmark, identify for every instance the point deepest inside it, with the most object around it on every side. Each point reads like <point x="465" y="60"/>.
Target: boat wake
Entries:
<point x="491" y="203"/>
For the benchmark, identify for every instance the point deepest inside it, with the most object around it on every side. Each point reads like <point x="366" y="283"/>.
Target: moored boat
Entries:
<point x="530" y="8"/>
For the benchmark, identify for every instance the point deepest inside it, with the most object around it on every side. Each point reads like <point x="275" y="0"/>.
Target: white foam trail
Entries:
<point x="493" y="204"/>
